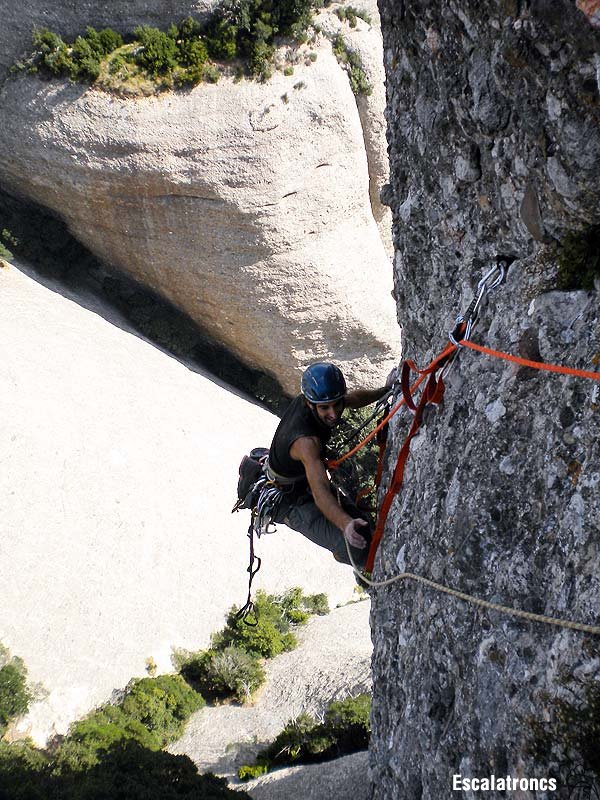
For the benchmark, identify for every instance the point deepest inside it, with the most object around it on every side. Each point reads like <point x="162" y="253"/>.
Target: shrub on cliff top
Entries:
<point x="275" y="616"/>
<point x="345" y="729"/>
<point x="79" y="61"/>
<point x="14" y="695"/>
<point x="351" y="62"/>
<point x="152" y="714"/>
<point x="158" y="54"/>
<point x="126" y="771"/>
<point x="232" y="666"/>
<point x="219" y="674"/>
<point x="238" y="28"/>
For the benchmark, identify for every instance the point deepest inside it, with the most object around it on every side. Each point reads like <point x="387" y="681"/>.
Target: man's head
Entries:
<point x="324" y="389"/>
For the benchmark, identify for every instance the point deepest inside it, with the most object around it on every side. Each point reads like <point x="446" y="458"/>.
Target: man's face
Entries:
<point x="330" y="413"/>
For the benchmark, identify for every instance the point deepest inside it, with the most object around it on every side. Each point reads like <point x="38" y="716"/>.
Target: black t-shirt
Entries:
<point x="297" y="421"/>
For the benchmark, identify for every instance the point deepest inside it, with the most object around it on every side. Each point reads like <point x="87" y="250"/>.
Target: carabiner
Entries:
<point x="489" y="281"/>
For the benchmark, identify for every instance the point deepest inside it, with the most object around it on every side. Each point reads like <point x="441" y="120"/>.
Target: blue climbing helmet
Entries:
<point x="323" y="383"/>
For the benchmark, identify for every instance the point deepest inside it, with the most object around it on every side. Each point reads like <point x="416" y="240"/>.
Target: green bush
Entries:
<point x="230" y="672"/>
<point x="316" y="604"/>
<point x="248" y="28"/>
<point x="221" y="40"/>
<point x="117" y="63"/>
<point x="86" y="62"/>
<point x="211" y="74"/>
<point x="112" y="753"/>
<point x="349" y="723"/>
<point x="351" y="62"/>
<point x="250" y="771"/>
<point x="103" y="42"/>
<point x="93" y="736"/>
<point x="269" y="637"/>
<point x="188" y="29"/>
<point x="5" y="253"/>
<point x="300" y="740"/>
<point x="162" y="705"/>
<point x="291" y="17"/>
<point x="260" y="60"/>
<point x="51" y="54"/>
<point x="127" y="771"/>
<point x="275" y="614"/>
<point x="179" y="56"/>
<point x="359" y="471"/>
<point x="23" y="753"/>
<point x="158" y="51"/>
<point x="231" y="667"/>
<point x="192" y="53"/>
<point x="14" y="695"/>
<point x="345" y="729"/>
<point x="294" y="600"/>
<point x="152" y="714"/>
<point x="81" y="60"/>
<point x="351" y="14"/>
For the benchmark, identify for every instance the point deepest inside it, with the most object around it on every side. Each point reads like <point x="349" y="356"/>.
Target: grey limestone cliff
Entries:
<point x="494" y="141"/>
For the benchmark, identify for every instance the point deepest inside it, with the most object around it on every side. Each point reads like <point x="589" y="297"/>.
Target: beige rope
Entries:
<point x="514" y="612"/>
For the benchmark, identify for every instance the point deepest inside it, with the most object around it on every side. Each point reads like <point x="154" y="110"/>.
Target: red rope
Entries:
<point x="434" y="390"/>
<point x="432" y="394"/>
<point x="579" y="373"/>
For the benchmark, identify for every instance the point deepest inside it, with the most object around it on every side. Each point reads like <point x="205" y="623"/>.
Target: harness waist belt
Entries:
<point x="282" y="480"/>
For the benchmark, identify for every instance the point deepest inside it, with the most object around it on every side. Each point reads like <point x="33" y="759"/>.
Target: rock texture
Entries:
<point x="494" y="150"/>
<point x="343" y="779"/>
<point x="118" y="469"/>
<point x="246" y="205"/>
<point x="365" y="40"/>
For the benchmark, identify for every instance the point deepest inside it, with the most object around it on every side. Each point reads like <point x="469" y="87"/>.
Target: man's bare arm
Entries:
<point x="364" y="397"/>
<point x="307" y="450"/>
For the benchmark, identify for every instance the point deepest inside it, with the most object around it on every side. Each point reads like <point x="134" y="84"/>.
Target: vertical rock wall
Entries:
<point x="493" y="116"/>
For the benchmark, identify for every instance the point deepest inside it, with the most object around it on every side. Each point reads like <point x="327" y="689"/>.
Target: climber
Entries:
<point x="296" y="463"/>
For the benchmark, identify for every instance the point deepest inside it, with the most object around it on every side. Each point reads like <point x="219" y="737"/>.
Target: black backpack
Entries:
<point x="250" y="470"/>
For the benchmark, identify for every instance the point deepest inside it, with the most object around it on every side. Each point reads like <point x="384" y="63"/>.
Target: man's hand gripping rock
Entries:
<point x="352" y="535"/>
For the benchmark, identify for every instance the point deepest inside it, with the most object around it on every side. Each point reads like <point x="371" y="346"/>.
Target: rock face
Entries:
<point x="246" y="205"/>
<point x="118" y="469"/>
<point x="494" y="150"/>
<point x="345" y="778"/>
<point x="365" y="40"/>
